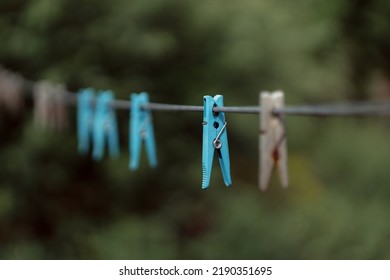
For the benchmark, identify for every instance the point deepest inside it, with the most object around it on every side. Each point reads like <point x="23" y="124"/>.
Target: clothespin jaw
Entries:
<point x="214" y="139"/>
<point x="141" y="129"/>
<point x="273" y="144"/>
<point x="85" y="118"/>
<point x="105" y="127"/>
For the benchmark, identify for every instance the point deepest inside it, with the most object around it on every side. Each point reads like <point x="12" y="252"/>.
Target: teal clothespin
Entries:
<point x="105" y="127"/>
<point x="214" y="139"/>
<point x="141" y="129"/>
<point x="85" y="115"/>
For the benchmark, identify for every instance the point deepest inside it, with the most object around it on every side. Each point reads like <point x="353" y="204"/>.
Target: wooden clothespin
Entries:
<point x="42" y="105"/>
<point x="50" y="106"/>
<point x="11" y="91"/>
<point x="273" y="146"/>
<point x="60" y="107"/>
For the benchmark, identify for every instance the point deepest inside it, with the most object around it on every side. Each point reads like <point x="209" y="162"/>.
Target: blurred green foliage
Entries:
<point x="55" y="204"/>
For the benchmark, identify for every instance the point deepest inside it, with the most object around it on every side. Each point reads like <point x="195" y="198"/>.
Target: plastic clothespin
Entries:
<point x="85" y="118"/>
<point x="214" y="139"/>
<point x="273" y="146"/>
<point x="105" y="127"/>
<point x="141" y="129"/>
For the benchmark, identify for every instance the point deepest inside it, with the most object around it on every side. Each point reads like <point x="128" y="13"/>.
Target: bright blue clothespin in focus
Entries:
<point x="141" y="129"/>
<point x="105" y="127"/>
<point x="85" y="115"/>
<point x="214" y="139"/>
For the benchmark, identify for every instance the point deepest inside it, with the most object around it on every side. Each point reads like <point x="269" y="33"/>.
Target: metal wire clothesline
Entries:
<point x="334" y="110"/>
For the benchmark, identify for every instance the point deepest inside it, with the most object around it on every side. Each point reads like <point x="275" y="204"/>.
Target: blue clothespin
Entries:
<point x="85" y="115"/>
<point x="105" y="127"/>
<point x="214" y="139"/>
<point x="141" y="129"/>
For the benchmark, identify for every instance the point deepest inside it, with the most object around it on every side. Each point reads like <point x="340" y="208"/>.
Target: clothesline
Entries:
<point x="334" y="110"/>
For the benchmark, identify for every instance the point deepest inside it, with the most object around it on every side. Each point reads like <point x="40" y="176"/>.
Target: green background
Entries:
<point x="56" y="204"/>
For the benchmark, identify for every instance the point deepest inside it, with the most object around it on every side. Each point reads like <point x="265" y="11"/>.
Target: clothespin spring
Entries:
<point x="217" y="143"/>
<point x="275" y="153"/>
<point x="143" y="132"/>
<point x="106" y="125"/>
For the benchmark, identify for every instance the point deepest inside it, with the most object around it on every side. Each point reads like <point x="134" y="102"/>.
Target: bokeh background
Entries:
<point x="56" y="204"/>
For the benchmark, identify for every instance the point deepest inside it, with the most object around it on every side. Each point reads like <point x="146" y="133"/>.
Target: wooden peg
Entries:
<point x="50" y="109"/>
<point x="42" y="105"/>
<point x="11" y="91"/>
<point x="273" y="144"/>
<point x="61" y="112"/>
